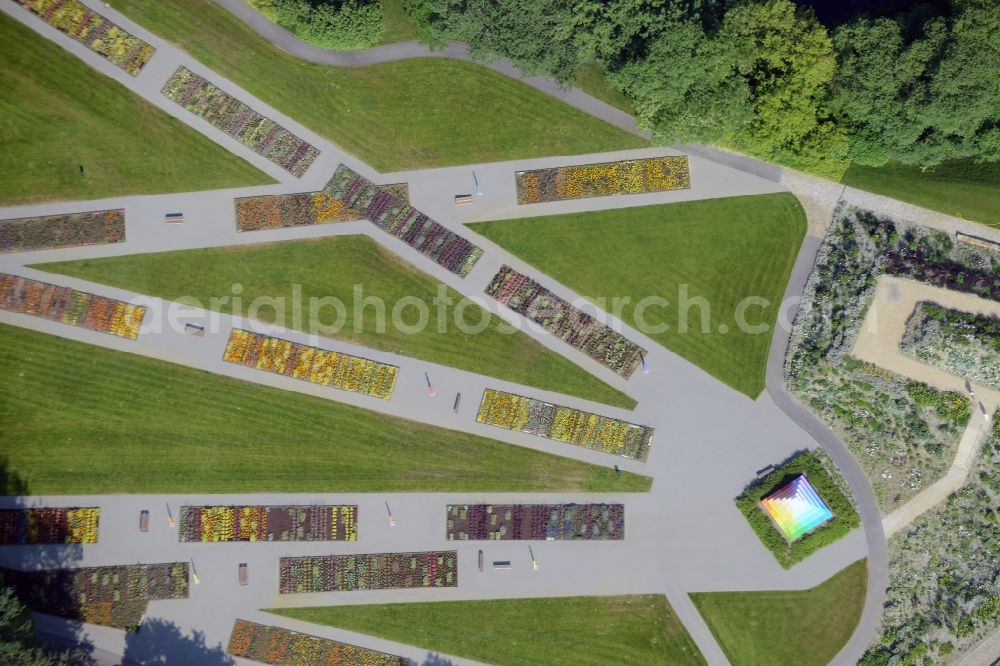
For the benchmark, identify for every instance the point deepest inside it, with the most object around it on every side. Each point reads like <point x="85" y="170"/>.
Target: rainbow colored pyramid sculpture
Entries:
<point x="796" y="508"/>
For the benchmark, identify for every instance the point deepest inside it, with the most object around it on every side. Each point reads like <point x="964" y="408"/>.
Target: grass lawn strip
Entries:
<point x="384" y="113"/>
<point x="818" y="470"/>
<point x="786" y="627"/>
<point x="60" y="114"/>
<point x="277" y="646"/>
<point x="260" y="134"/>
<point x="560" y="631"/>
<point x="52" y="231"/>
<point x="721" y="250"/>
<point x="79" y="419"/>
<point x="332" y="267"/>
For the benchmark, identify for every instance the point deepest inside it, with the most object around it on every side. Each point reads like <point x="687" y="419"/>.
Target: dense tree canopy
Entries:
<point x="765" y="76"/>
<point x="17" y="638"/>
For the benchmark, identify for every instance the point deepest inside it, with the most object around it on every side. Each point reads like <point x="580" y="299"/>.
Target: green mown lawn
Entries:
<point x="961" y="188"/>
<point x="795" y="628"/>
<point x="639" y="629"/>
<point x="722" y="250"/>
<point x="424" y="112"/>
<point x="332" y="267"/>
<point x="80" y="419"/>
<point x="57" y="114"/>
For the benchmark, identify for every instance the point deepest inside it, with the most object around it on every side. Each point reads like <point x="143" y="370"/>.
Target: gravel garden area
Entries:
<point x="904" y="433"/>
<point x="962" y="343"/>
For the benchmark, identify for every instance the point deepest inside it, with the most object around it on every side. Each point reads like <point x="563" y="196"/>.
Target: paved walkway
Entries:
<point x="686" y="535"/>
<point x="878" y="342"/>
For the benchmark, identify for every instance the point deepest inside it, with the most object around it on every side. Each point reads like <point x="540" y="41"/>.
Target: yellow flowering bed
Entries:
<point x="290" y="522"/>
<point x="656" y="174"/>
<point x="312" y="364"/>
<point x="93" y="31"/>
<point x="564" y="424"/>
<point x="283" y="647"/>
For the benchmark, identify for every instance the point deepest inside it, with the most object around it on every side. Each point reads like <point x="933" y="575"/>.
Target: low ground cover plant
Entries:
<point x="903" y="433"/>
<point x="552" y="522"/>
<point x="52" y="231"/>
<point x="963" y="343"/>
<point x="826" y="480"/>
<point x="564" y="424"/>
<point x="69" y="306"/>
<point x="260" y="134"/>
<point x="281" y="647"/>
<point x="311" y="522"/>
<point x="376" y="571"/>
<point x="49" y="525"/>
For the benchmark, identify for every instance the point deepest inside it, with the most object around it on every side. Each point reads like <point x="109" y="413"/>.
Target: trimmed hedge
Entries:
<point x="821" y="474"/>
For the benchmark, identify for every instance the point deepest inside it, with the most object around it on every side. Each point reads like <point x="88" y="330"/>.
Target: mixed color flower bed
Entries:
<point x="93" y="31"/>
<point x="559" y="522"/>
<point x="311" y="364"/>
<point x="282" y="647"/>
<point x="290" y="210"/>
<point x="262" y="135"/>
<point x="656" y="174"/>
<point x="391" y="213"/>
<point x="564" y="424"/>
<point x="571" y="325"/>
<point x="379" y="571"/>
<point x="114" y="596"/>
<point x="51" y="231"/>
<point x="69" y="306"/>
<point x="268" y="523"/>
<point x="49" y="525"/>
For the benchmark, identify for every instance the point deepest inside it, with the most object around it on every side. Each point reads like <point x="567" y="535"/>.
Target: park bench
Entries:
<point x="501" y="564"/>
<point x="194" y="329"/>
<point x="464" y="199"/>
<point x="976" y="240"/>
<point x="144" y="520"/>
<point x="174" y="218"/>
<point x="243" y="573"/>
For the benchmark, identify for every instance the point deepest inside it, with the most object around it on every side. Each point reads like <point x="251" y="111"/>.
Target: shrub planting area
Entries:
<point x="52" y="231"/>
<point x="962" y="343"/>
<point x="558" y="631"/>
<point x="49" y="525"/>
<point x="113" y="596"/>
<point x="378" y="571"/>
<point x="564" y="424"/>
<point x="656" y="174"/>
<point x="394" y="215"/>
<point x="831" y="487"/>
<point x="69" y="306"/>
<point x="282" y="647"/>
<point x="528" y="522"/>
<point x="311" y="364"/>
<point x="943" y="595"/>
<point x="268" y="523"/>
<point x="571" y="325"/>
<point x="262" y="135"/>
<point x="903" y="433"/>
<point x="93" y="31"/>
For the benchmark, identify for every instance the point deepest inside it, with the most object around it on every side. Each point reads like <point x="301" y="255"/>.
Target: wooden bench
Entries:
<point x="480" y="560"/>
<point x="464" y="199"/>
<point x="194" y="329"/>
<point x="501" y="564"/>
<point x="243" y="573"/>
<point x="144" y="520"/>
<point x="174" y="218"/>
<point x="976" y="240"/>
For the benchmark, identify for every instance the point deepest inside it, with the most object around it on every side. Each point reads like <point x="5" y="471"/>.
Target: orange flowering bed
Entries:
<point x="657" y="174"/>
<point x="290" y="210"/>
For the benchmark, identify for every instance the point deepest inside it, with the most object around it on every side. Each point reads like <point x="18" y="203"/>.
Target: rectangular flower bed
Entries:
<point x="513" y="522"/>
<point x="378" y="571"/>
<point x="656" y="174"/>
<point x="389" y="212"/>
<point x="114" y="596"/>
<point x="571" y="325"/>
<point x="282" y="647"/>
<point x="51" y="231"/>
<point x="93" y="31"/>
<point x="49" y="525"/>
<point x="268" y="523"/>
<point x="262" y="135"/>
<point x="69" y="306"/>
<point x="564" y="424"/>
<point x="311" y="364"/>
<point x="290" y="210"/>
